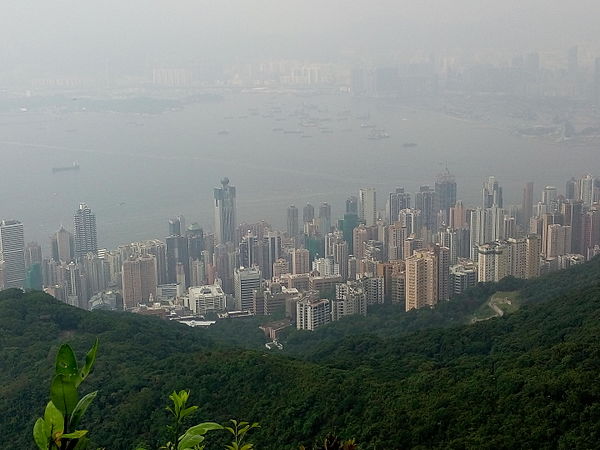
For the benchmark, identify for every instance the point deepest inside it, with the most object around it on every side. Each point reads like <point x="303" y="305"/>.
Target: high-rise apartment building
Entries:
<point x="397" y="201"/>
<point x="139" y="280"/>
<point x="225" y="212"/>
<point x="245" y="281"/>
<point x="492" y="262"/>
<point x="300" y="261"/>
<point x="350" y="299"/>
<point x="367" y="206"/>
<point x="86" y="239"/>
<point x="421" y="280"/>
<point x="12" y="253"/>
<point x="532" y="258"/>
<point x="312" y="312"/>
<point x="426" y="202"/>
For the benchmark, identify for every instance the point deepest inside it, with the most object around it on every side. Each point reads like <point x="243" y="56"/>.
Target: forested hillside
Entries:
<point x="425" y="379"/>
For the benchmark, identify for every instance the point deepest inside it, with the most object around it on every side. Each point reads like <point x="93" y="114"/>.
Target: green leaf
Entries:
<point x="90" y="359"/>
<point x="40" y="435"/>
<point x="66" y="363"/>
<point x="54" y="419"/>
<point x="81" y="407"/>
<point x="189" y="441"/>
<point x="75" y="434"/>
<point x="203" y="428"/>
<point x="186" y="412"/>
<point x="64" y="394"/>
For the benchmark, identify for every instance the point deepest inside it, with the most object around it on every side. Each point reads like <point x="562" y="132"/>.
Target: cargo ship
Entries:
<point x="73" y="166"/>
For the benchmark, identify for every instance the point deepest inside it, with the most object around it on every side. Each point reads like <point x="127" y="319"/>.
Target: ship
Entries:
<point x="73" y="166"/>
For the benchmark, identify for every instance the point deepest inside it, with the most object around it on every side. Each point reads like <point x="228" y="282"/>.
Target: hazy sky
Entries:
<point x="70" y="34"/>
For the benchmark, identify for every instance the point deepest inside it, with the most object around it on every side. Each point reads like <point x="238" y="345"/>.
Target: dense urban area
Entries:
<point x="419" y="250"/>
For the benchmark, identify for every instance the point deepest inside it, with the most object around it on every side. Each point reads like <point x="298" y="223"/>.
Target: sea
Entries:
<point x="140" y="166"/>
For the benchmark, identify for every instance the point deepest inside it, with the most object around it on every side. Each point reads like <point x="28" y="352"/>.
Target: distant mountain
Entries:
<point x="424" y="379"/>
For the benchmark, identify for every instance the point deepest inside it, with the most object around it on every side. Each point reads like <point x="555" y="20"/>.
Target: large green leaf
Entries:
<point x="81" y="407"/>
<point x="66" y="363"/>
<point x="64" y="394"/>
<point x="90" y="358"/>
<point x="203" y="428"/>
<point x="53" y="419"/>
<point x="40" y="435"/>
<point x="190" y="441"/>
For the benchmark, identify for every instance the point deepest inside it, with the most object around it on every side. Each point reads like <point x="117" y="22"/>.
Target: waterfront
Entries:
<point x="137" y="169"/>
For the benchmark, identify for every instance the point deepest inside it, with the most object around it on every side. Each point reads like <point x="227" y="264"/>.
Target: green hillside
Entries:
<point x="424" y="379"/>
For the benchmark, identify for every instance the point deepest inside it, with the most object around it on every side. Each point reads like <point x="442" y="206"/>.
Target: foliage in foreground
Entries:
<point x="527" y="380"/>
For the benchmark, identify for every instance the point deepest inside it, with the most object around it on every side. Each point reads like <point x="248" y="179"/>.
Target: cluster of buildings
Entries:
<point x="413" y="250"/>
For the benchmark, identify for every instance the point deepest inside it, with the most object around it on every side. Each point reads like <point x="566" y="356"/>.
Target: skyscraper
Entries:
<point x="292" y="221"/>
<point x="352" y="205"/>
<point x="177" y="226"/>
<point x="33" y="254"/>
<point x="367" y="206"/>
<point x="527" y="205"/>
<point x="225" y="212"/>
<point x="308" y="213"/>
<point x="586" y="190"/>
<point x="492" y="193"/>
<point x="63" y="246"/>
<point x="425" y="200"/>
<point x="445" y="193"/>
<point x="325" y="218"/>
<point x="12" y="247"/>
<point x="571" y="188"/>
<point x="86" y="239"/>
<point x="397" y="201"/>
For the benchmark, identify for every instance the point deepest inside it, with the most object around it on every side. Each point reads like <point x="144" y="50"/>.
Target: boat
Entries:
<point x="73" y="166"/>
<point x="223" y="132"/>
<point x="409" y="144"/>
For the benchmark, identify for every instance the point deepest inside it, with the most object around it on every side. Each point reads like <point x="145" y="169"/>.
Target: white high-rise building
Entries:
<point x="350" y="299"/>
<point x="312" y="312"/>
<point x="12" y="253"/>
<point x="245" y="281"/>
<point x="586" y="190"/>
<point x="492" y="262"/>
<point x="367" y="206"/>
<point x="326" y="266"/>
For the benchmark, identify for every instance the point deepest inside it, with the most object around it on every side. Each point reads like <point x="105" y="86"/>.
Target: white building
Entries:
<point x="312" y="313"/>
<point x="204" y="299"/>
<point x="350" y="299"/>
<point x="367" y="206"/>
<point x="12" y="252"/>
<point x="325" y="266"/>
<point x="245" y="281"/>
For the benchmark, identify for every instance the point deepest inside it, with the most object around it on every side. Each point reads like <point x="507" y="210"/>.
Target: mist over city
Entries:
<point x="340" y="190"/>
